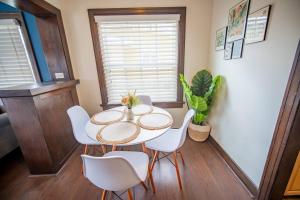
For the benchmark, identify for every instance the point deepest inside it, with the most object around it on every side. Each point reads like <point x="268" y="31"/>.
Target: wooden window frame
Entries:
<point x="18" y="16"/>
<point x="139" y="11"/>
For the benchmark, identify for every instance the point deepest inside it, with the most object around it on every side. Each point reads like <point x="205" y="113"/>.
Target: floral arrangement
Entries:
<point x="130" y="100"/>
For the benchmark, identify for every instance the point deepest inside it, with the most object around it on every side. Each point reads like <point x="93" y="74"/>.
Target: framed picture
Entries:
<point x="221" y="38"/>
<point x="228" y="51"/>
<point x="237" y="21"/>
<point x="257" y="25"/>
<point x="237" y="49"/>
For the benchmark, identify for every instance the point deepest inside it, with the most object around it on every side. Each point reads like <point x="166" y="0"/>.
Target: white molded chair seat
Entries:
<point x="168" y="142"/>
<point x="173" y="139"/>
<point x="117" y="170"/>
<point x="138" y="160"/>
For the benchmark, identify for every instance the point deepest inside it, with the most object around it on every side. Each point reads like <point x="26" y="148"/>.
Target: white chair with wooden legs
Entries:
<point x="145" y="99"/>
<point x="170" y="142"/>
<point x="116" y="170"/>
<point x="79" y="117"/>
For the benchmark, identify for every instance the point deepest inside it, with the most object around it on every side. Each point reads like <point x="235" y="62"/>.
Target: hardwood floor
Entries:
<point x="205" y="176"/>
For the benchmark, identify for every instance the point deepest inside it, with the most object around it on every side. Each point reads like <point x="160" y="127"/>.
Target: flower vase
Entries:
<point x="130" y="115"/>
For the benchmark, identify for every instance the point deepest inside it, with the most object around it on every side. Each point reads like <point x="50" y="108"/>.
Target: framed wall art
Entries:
<point x="257" y="24"/>
<point x="221" y="38"/>
<point x="237" y="49"/>
<point x="237" y="21"/>
<point x="228" y="51"/>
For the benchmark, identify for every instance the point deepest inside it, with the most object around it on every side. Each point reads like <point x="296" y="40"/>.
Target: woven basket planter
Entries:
<point x="198" y="133"/>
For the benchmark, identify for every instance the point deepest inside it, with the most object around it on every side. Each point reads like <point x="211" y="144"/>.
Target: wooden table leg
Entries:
<point x="103" y="149"/>
<point x="103" y="195"/>
<point x="129" y="194"/>
<point x="149" y="170"/>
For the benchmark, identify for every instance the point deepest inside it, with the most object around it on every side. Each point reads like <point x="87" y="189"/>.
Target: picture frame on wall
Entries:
<point x="228" y="51"/>
<point x="257" y="24"/>
<point x="221" y="38"/>
<point x="237" y="21"/>
<point x="237" y="49"/>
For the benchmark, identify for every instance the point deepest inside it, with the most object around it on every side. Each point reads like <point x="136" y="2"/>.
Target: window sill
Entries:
<point x="177" y="104"/>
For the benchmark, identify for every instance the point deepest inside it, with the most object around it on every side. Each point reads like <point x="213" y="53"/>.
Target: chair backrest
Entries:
<point x="110" y="173"/>
<point x="145" y="99"/>
<point x="184" y="126"/>
<point x="79" y="117"/>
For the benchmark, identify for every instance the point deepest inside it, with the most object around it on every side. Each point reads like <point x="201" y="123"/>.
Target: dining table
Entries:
<point x="144" y="135"/>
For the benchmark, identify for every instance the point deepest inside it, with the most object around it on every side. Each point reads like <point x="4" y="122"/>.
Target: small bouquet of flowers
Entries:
<point x="129" y="101"/>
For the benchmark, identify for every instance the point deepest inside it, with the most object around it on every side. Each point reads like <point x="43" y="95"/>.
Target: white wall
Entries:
<point x="75" y="18"/>
<point x="244" y="119"/>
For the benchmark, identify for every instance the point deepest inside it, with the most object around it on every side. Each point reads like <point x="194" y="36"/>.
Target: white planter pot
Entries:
<point x="198" y="133"/>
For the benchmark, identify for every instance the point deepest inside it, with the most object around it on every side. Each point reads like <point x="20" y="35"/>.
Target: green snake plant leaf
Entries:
<point x="201" y="83"/>
<point x="187" y="90"/>
<point x="198" y="103"/>
<point x="210" y="94"/>
<point x="199" y="118"/>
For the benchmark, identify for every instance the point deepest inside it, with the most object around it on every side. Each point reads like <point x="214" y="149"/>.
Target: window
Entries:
<point x="142" y="52"/>
<point x="16" y="65"/>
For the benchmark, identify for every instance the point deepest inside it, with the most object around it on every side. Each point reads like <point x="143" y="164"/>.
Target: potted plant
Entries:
<point x="200" y="97"/>
<point x="129" y="101"/>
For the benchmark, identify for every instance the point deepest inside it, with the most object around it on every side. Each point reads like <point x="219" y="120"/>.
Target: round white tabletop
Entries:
<point x="144" y="136"/>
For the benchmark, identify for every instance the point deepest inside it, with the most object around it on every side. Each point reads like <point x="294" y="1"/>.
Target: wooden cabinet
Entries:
<point x="38" y="116"/>
<point x="293" y="187"/>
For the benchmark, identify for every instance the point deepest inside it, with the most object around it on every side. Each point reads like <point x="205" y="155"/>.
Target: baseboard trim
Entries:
<point x="245" y="180"/>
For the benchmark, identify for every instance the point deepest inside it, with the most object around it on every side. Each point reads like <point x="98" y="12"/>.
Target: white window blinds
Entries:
<point x="140" y="52"/>
<point x="15" y="66"/>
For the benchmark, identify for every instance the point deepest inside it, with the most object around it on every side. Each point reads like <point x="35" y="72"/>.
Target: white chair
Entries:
<point x="116" y="170"/>
<point x="145" y="99"/>
<point x="170" y="142"/>
<point x="79" y="117"/>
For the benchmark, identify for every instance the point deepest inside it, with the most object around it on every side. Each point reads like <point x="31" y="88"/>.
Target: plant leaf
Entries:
<point x="201" y="83"/>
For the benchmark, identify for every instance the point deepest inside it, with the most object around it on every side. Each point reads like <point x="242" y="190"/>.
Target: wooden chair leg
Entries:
<point x="85" y="149"/>
<point x="84" y="152"/>
<point x="181" y="157"/>
<point x="144" y="185"/>
<point x="104" y="192"/>
<point x="129" y="194"/>
<point x="103" y="149"/>
<point x="144" y="148"/>
<point x="149" y="170"/>
<point x="177" y="170"/>
<point x="153" y="160"/>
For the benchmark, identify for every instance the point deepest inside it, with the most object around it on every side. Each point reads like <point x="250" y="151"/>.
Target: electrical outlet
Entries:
<point x="59" y="75"/>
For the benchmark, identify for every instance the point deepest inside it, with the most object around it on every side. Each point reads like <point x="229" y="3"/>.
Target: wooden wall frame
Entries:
<point x="288" y="110"/>
<point x="46" y="12"/>
<point x="18" y="16"/>
<point x="139" y="11"/>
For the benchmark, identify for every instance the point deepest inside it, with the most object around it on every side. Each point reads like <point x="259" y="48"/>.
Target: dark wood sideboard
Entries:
<point x="38" y="116"/>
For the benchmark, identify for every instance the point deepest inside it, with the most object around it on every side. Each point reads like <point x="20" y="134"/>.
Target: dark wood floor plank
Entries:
<point x="205" y="176"/>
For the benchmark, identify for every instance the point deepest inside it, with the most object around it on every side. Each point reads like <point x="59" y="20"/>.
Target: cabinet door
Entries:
<point x="293" y="187"/>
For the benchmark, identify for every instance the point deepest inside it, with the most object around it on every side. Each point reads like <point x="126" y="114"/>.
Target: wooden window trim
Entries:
<point x="139" y="11"/>
<point x="18" y="16"/>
